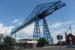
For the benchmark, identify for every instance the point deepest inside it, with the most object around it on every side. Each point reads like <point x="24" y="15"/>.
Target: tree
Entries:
<point x="42" y="42"/>
<point x="9" y="42"/>
<point x="1" y="38"/>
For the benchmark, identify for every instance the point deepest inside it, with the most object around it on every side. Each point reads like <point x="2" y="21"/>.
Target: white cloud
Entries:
<point x="1" y="25"/>
<point x="26" y="32"/>
<point x="55" y="29"/>
<point x="5" y="30"/>
<point x="60" y="28"/>
<point x="17" y="22"/>
<point x="59" y="25"/>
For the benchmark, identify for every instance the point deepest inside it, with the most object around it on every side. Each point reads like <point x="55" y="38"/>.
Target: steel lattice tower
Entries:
<point x="36" y="34"/>
<point x="47" y="34"/>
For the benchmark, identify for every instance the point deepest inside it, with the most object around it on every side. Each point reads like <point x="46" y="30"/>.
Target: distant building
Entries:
<point x="70" y="39"/>
<point x="26" y="43"/>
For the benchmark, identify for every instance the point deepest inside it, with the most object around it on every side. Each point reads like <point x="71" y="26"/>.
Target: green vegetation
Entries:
<point x="8" y="43"/>
<point x="42" y="42"/>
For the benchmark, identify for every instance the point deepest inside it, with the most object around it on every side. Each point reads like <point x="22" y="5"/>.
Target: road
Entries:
<point x="52" y="48"/>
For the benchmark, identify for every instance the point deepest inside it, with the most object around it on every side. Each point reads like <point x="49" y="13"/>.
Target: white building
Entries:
<point x="27" y="43"/>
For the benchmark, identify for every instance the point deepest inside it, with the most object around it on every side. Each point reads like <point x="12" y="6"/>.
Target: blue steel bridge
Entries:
<point x="41" y="11"/>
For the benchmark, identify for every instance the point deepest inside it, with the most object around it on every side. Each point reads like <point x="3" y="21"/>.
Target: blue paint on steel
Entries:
<point x="47" y="34"/>
<point x="36" y="34"/>
<point x="40" y="12"/>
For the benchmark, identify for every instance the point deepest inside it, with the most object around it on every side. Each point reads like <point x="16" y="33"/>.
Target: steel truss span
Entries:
<point x="41" y="11"/>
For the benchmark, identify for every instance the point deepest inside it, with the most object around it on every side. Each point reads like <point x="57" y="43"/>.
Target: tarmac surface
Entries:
<point x="52" y="48"/>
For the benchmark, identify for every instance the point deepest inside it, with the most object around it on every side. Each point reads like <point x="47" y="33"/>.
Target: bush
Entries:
<point x="9" y="42"/>
<point x="42" y="42"/>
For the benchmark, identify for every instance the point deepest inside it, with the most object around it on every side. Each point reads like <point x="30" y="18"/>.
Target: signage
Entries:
<point x="59" y="37"/>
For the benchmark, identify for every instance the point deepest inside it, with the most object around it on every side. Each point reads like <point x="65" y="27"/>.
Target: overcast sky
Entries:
<point x="13" y="12"/>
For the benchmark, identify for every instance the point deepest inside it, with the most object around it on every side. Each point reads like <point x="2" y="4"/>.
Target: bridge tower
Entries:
<point x="36" y="34"/>
<point x="47" y="34"/>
